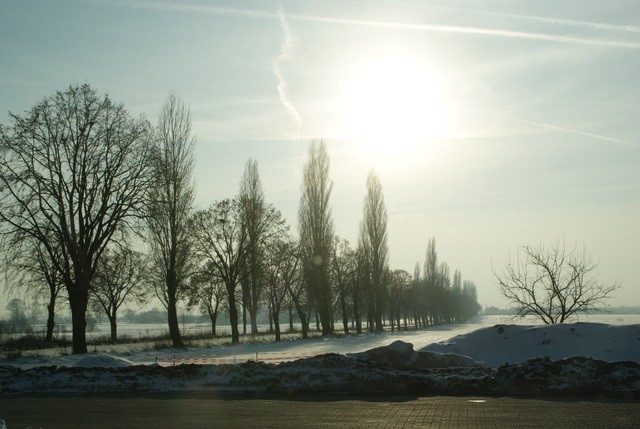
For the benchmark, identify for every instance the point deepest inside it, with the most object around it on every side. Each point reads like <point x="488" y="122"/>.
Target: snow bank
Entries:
<point x="503" y="344"/>
<point x="400" y="355"/>
<point x="102" y="360"/>
<point x="395" y="368"/>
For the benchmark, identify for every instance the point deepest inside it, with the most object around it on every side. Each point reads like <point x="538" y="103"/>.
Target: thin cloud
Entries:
<point x="286" y="54"/>
<point x="546" y="20"/>
<point x="262" y="14"/>
<point x="580" y="133"/>
<point x="471" y="30"/>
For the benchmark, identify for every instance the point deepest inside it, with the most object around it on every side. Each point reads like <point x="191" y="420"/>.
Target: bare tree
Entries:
<point x="171" y="200"/>
<point x="399" y="284"/>
<point x="316" y="231"/>
<point x="73" y="170"/>
<point x="373" y="239"/>
<point x="221" y="241"/>
<point x="281" y="273"/>
<point x="553" y="283"/>
<point x="299" y="296"/>
<point x="344" y="264"/>
<point x="119" y="279"/>
<point x="207" y="291"/>
<point x="28" y="263"/>
<point x="260" y="222"/>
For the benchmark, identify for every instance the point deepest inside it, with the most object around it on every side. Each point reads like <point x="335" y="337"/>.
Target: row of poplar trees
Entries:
<point x="83" y="183"/>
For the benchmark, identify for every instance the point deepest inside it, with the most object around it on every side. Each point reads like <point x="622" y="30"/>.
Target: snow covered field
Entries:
<point x="289" y="350"/>
<point x="445" y="359"/>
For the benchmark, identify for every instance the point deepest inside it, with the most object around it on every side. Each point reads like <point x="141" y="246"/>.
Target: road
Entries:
<point x="384" y="412"/>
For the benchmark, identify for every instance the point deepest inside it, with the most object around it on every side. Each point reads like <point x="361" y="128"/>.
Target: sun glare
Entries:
<point x="394" y="106"/>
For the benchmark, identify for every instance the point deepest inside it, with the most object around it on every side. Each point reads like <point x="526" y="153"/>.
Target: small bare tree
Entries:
<point x="553" y="283"/>
<point x="28" y="264"/>
<point x="119" y="279"/>
<point x="206" y="290"/>
<point x="283" y="260"/>
<point x="221" y="245"/>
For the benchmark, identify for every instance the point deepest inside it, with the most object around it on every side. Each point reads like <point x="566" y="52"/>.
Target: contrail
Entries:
<point x="564" y="22"/>
<point x="435" y="28"/>
<point x="580" y="133"/>
<point x="262" y="14"/>
<point x="285" y="54"/>
<point x="531" y="18"/>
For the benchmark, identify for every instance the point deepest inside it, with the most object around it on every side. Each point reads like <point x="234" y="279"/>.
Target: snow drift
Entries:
<point x="511" y="344"/>
<point x="395" y="368"/>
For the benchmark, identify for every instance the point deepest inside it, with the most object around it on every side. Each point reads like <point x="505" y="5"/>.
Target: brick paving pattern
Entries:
<point x="176" y="411"/>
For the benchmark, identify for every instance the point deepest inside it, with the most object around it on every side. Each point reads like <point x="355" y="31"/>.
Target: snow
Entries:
<point x="502" y="344"/>
<point x="102" y="360"/>
<point x="473" y="358"/>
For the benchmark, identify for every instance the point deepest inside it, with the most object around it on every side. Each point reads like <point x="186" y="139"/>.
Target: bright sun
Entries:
<point x="393" y="106"/>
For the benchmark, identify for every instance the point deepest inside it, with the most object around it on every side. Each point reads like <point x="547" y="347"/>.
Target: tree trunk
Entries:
<point x="50" y="319"/>
<point x="213" y="316"/>
<point x="174" y="328"/>
<point x="78" y="302"/>
<point x="378" y="322"/>
<point x="392" y="319"/>
<point x="345" y="316"/>
<point x="253" y="315"/>
<point x="303" y="320"/>
<point x="290" y="318"/>
<point x="276" y="322"/>
<point x="254" y="306"/>
<point x="244" y="316"/>
<point x="114" y="327"/>
<point x="233" y="314"/>
<point x="356" y="311"/>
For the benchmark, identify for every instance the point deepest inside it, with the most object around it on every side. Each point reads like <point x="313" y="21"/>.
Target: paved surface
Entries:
<point x="179" y="411"/>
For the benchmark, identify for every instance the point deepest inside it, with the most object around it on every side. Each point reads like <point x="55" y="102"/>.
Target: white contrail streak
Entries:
<point x="546" y="20"/>
<point x="580" y="133"/>
<point x="286" y="54"/>
<point x="471" y="30"/>
<point x="261" y="14"/>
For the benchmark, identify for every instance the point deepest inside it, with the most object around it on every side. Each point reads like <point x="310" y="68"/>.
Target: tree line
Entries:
<point x="98" y="205"/>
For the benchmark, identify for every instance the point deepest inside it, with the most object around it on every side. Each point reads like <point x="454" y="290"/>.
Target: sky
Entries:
<point x="491" y="124"/>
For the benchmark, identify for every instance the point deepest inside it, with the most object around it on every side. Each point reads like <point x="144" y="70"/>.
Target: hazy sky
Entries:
<point x="491" y="124"/>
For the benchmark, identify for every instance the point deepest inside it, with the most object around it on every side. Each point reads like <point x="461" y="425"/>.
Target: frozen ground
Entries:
<point x="571" y="358"/>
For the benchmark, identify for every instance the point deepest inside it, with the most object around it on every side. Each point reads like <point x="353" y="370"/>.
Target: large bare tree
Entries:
<point x="171" y="201"/>
<point x="373" y="239"/>
<point x="73" y="170"/>
<point x="553" y="283"/>
<point x="315" y="225"/>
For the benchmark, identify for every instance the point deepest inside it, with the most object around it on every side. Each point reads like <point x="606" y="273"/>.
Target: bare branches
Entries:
<point x="316" y="230"/>
<point x="170" y="203"/>
<point x="221" y="242"/>
<point x="73" y="171"/>
<point x="119" y="279"/>
<point x="553" y="283"/>
<point x="373" y="239"/>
